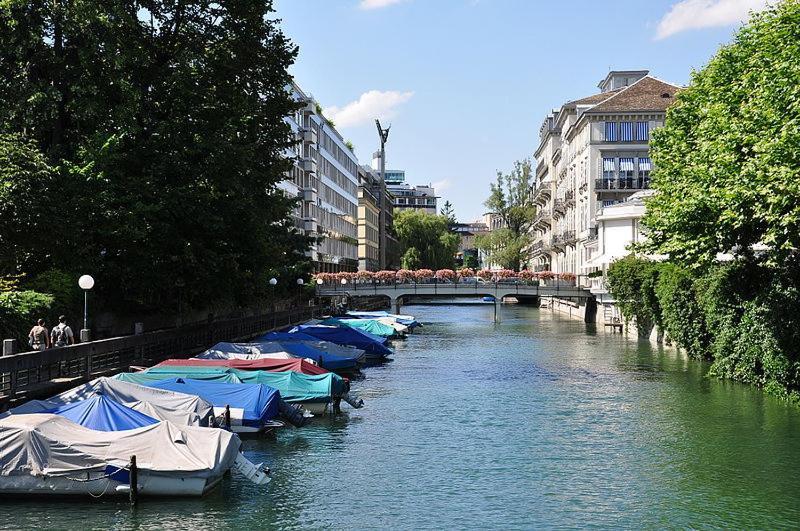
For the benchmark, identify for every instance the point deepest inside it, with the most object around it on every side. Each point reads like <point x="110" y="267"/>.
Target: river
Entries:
<point x="535" y="421"/>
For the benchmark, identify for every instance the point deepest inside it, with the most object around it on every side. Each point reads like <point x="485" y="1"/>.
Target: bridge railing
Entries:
<point x="470" y="285"/>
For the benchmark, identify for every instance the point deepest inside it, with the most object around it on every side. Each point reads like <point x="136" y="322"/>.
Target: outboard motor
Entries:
<point x="294" y="415"/>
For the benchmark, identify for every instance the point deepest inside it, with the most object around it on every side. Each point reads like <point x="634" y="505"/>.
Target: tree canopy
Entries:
<point x="727" y="163"/>
<point x="143" y="142"/>
<point x="511" y="199"/>
<point x="425" y="241"/>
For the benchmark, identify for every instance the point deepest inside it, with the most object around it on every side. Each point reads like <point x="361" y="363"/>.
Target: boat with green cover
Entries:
<point x="370" y="326"/>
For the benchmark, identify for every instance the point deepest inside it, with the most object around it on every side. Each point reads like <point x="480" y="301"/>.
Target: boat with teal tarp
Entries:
<point x="371" y="326"/>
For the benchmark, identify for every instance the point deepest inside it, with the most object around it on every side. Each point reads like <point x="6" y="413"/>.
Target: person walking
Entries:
<point x="62" y="335"/>
<point x="38" y="337"/>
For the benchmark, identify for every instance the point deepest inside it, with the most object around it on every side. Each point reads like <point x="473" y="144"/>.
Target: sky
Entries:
<point x="466" y="84"/>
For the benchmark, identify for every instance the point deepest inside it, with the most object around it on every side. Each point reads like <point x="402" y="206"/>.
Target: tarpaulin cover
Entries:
<point x="50" y="445"/>
<point x="270" y="365"/>
<point x="407" y="320"/>
<point x="293" y="386"/>
<point x="371" y="326"/>
<point x="346" y="336"/>
<point x="182" y="409"/>
<point x="295" y="349"/>
<point x="257" y="404"/>
<point x="101" y="413"/>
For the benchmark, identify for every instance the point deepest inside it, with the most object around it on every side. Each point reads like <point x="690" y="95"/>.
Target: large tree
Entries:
<point x="511" y="199"/>
<point x="163" y="124"/>
<point x="728" y="157"/>
<point x="425" y="240"/>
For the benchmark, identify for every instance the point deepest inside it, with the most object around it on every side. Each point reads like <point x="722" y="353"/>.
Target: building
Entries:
<point x="593" y="153"/>
<point x="420" y="197"/>
<point x="369" y="212"/>
<point x="468" y="253"/>
<point x="325" y="179"/>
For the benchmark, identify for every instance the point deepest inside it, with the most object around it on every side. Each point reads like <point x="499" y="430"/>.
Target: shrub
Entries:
<point x="681" y="314"/>
<point x="485" y="274"/>
<point x="19" y="311"/>
<point x="631" y="281"/>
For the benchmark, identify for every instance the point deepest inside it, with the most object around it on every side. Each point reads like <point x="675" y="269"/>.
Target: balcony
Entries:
<point x="308" y="136"/>
<point x="309" y="195"/>
<point x="569" y="198"/>
<point x="308" y="164"/>
<point x="542" y="192"/>
<point x="592" y="235"/>
<point x="622" y="184"/>
<point x="310" y="225"/>
<point x="559" y="207"/>
<point x="568" y="237"/>
<point x="542" y="217"/>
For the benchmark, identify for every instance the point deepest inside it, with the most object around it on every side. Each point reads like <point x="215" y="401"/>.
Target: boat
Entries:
<point x="284" y="350"/>
<point x="488" y="299"/>
<point x="313" y="392"/>
<point x="407" y="320"/>
<point x="240" y="407"/>
<point x="47" y="454"/>
<point x="271" y="365"/>
<point x="370" y="326"/>
<point x="374" y="346"/>
<point x="336" y="357"/>
<point x="178" y="408"/>
<point x="104" y="414"/>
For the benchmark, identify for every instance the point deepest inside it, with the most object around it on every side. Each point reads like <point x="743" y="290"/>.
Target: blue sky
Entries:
<point x="466" y="84"/>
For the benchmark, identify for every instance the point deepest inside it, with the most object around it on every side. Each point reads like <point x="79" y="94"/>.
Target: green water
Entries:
<point x="537" y="421"/>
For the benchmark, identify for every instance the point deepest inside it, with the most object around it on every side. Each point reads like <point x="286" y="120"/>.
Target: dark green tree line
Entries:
<point x="142" y="142"/>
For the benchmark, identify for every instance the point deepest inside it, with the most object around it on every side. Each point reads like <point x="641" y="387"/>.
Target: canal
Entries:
<point x="537" y="420"/>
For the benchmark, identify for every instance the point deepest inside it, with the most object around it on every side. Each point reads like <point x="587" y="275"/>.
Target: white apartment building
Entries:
<point x="325" y="178"/>
<point x="420" y="197"/>
<point x="593" y="153"/>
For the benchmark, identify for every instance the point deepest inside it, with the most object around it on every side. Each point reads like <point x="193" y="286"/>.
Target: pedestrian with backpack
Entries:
<point x="38" y="337"/>
<point x="62" y="335"/>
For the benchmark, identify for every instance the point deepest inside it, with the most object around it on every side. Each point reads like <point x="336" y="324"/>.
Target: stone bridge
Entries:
<point x="398" y="292"/>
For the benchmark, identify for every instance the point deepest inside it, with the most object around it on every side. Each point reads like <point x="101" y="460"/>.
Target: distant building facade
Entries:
<point x="325" y="179"/>
<point x="593" y="153"/>
<point x="406" y="196"/>
<point x="468" y="253"/>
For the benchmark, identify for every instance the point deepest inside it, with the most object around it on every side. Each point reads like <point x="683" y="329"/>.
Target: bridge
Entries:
<point x="400" y="291"/>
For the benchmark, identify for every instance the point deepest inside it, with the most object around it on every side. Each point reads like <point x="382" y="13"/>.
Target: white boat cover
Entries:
<point x="179" y="408"/>
<point x="390" y="321"/>
<point x="213" y="354"/>
<point x="49" y="445"/>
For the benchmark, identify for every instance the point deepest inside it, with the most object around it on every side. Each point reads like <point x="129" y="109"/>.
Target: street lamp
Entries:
<point x="300" y="283"/>
<point x="86" y="282"/>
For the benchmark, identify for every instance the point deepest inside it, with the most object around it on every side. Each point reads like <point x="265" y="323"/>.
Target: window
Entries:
<point x="626" y="172"/>
<point x="608" y="168"/>
<point x="611" y="131"/>
<point x="626" y="131"/>
<point x="642" y="131"/>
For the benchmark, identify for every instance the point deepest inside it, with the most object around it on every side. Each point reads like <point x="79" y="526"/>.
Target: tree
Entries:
<point x="425" y="239"/>
<point x="164" y="125"/>
<point x="727" y="164"/>
<point x="448" y="212"/>
<point x="632" y="282"/>
<point x="511" y="199"/>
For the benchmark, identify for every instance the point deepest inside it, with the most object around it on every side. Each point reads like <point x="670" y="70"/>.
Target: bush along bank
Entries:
<point x="742" y="315"/>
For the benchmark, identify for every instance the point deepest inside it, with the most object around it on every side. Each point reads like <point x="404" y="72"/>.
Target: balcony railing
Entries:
<point x="569" y="197"/>
<point x="544" y="214"/>
<point x="568" y="237"/>
<point x="592" y="235"/>
<point x="622" y="183"/>
<point x="559" y="206"/>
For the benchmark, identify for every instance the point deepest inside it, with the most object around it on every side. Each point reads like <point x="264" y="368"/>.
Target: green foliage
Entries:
<point x="681" y="314"/>
<point x="410" y="259"/>
<point x="511" y="199"/>
<point x="727" y="163"/>
<point x="632" y="282"/>
<point x="434" y="246"/>
<point x="142" y="143"/>
<point x="63" y="287"/>
<point x="448" y="212"/>
<point x="19" y="311"/>
<point x="470" y="261"/>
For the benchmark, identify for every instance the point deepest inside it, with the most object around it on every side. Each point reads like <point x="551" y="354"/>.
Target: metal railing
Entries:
<point x="22" y="375"/>
<point x="623" y="183"/>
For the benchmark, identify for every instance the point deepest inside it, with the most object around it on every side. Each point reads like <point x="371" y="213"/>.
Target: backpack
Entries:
<point x="61" y="337"/>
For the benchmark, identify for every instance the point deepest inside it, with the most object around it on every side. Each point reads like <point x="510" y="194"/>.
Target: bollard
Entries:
<point x="86" y="335"/>
<point x="10" y="347"/>
<point x="138" y="329"/>
<point x="133" y="479"/>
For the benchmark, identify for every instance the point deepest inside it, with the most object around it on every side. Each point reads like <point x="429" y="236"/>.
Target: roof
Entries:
<point x="594" y="98"/>
<point x="647" y="94"/>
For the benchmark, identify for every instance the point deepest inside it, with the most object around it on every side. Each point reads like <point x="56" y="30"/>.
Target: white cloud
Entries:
<point x="377" y="4"/>
<point x="372" y="104"/>
<point x="696" y="14"/>
<point x="441" y="186"/>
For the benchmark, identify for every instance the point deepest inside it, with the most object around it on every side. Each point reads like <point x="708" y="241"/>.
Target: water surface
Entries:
<point x="537" y="420"/>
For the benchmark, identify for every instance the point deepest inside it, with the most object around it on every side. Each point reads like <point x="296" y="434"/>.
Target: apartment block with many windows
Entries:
<point x="325" y="179"/>
<point x="593" y="153"/>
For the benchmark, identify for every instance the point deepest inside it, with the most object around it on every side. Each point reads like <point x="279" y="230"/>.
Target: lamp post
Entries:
<point x="86" y="282"/>
<point x="300" y="283"/>
<point x="272" y="283"/>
